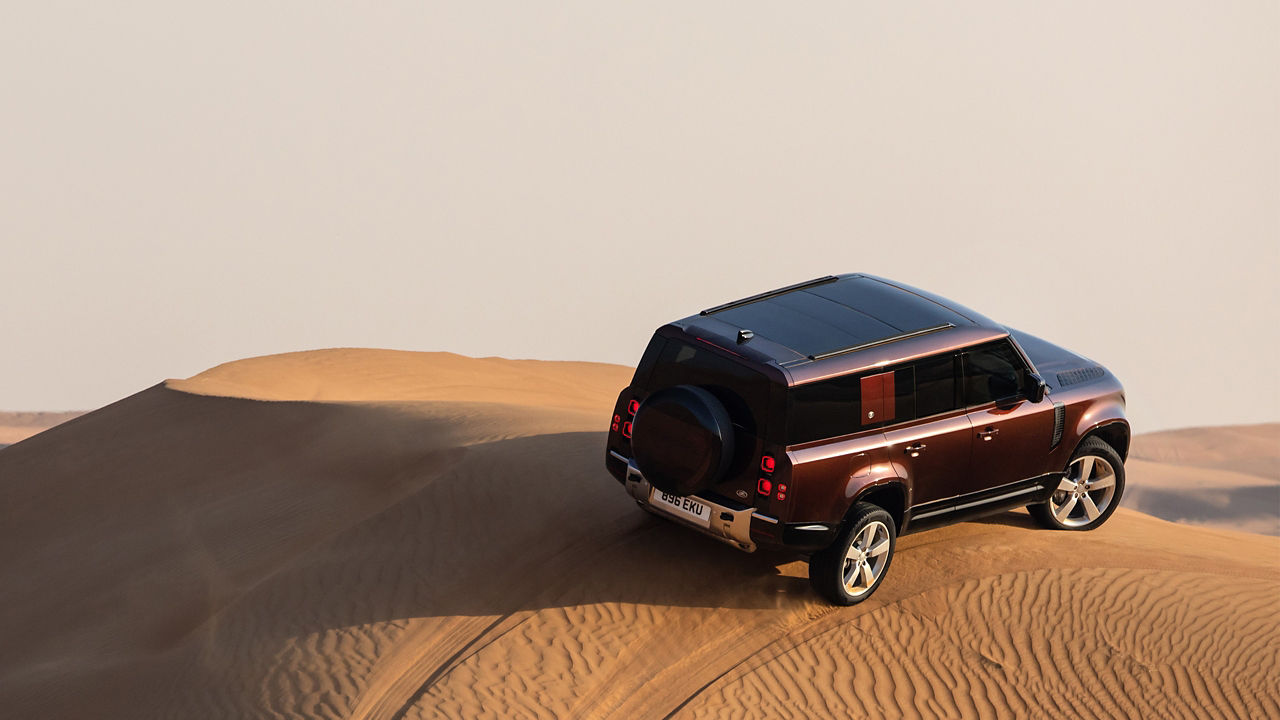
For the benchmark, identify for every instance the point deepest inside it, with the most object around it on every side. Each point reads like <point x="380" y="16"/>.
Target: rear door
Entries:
<point x="744" y="391"/>
<point x="932" y="449"/>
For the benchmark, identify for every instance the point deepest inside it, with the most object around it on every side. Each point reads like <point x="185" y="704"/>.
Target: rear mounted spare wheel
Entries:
<point x="682" y="439"/>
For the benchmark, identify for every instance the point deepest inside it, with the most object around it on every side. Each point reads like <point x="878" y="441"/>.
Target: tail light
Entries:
<point x="626" y="429"/>
<point x="616" y="420"/>
<point x="765" y="486"/>
<point x="632" y="407"/>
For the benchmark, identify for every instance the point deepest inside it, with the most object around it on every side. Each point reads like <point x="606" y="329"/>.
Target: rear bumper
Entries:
<point x="808" y="537"/>
<point x="732" y="523"/>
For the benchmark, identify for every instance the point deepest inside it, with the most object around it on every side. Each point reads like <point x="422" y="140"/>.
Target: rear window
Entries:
<point x="743" y="391"/>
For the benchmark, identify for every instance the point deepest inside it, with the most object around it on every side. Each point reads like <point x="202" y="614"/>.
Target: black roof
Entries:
<point x="836" y="315"/>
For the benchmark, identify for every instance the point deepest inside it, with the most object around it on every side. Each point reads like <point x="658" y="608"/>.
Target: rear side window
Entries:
<point x="993" y="372"/>
<point x="848" y="404"/>
<point x="744" y="392"/>
<point x="825" y="409"/>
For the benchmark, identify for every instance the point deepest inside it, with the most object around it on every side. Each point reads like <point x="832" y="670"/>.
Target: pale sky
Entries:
<point x="182" y="185"/>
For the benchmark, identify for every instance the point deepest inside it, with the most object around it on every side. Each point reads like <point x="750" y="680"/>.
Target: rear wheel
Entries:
<point x="1089" y="491"/>
<point x="851" y="569"/>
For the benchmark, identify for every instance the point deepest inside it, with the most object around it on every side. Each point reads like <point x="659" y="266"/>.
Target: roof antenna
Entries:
<point x="745" y="335"/>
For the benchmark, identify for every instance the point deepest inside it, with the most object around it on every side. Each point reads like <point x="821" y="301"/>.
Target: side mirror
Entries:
<point x="1037" y="388"/>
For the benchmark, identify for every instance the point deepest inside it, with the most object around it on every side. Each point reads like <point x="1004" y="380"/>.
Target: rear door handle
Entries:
<point x="989" y="433"/>
<point x="914" y="450"/>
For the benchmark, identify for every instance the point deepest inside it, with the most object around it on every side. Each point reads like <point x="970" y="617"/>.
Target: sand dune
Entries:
<point x="367" y="534"/>
<point x="1248" y="449"/>
<point x="1221" y="477"/>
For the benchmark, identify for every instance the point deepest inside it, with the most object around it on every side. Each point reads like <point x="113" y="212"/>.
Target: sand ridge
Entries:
<point x="1248" y="449"/>
<point x="192" y="553"/>
<point x="1222" y="477"/>
<point x="372" y="376"/>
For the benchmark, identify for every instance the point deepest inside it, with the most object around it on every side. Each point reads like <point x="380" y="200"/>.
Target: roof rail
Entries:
<point x="771" y="293"/>
<point x="883" y="341"/>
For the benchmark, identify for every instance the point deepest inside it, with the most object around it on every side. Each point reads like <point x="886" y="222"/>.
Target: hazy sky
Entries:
<point x="186" y="184"/>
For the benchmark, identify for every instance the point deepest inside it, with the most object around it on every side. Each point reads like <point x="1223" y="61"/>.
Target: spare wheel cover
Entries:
<point x="682" y="439"/>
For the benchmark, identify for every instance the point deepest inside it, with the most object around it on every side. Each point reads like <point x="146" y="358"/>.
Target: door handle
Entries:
<point x="989" y="433"/>
<point x="914" y="450"/>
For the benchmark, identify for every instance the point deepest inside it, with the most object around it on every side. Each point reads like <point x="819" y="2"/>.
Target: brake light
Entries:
<point x="767" y="464"/>
<point x="633" y="406"/>
<point x="626" y="429"/>
<point x="764" y="486"/>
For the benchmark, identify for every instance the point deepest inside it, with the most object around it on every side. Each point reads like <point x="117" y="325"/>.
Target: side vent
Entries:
<point x="1075" y="377"/>
<point x="1059" y="421"/>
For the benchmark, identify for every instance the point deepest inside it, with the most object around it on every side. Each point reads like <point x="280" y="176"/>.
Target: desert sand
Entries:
<point x="379" y="534"/>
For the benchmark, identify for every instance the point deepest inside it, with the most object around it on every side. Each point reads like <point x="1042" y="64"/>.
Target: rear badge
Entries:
<point x="742" y="494"/>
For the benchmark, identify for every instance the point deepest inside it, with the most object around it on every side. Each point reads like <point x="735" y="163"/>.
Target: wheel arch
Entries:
<point x="1115" y="433"/>
<point x="889" y="494"/>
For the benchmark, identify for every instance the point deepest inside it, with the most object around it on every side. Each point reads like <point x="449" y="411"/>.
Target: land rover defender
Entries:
<point x="832" y="416"/>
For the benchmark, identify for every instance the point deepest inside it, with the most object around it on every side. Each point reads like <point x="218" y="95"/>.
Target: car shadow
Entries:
<point x="239" y="507"/>
<point x="535" y="523"/>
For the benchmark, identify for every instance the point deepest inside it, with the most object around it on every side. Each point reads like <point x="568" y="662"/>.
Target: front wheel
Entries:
<point x="1088" y="492"/>
<point x="852" y="568"/>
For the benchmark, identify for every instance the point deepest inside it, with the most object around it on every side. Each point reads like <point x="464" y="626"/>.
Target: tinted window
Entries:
<point x="992" y="372"/>
<point x="904" y="383"/>
<point x="744" y="392"/>
<point x="935" y="385"/>
<point x="825" y="409"/>
<point x="831" y="408"/>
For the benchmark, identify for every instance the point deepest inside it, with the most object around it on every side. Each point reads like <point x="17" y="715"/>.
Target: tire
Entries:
<point x="1089" y="492"/>
<point x="865" y="546"/>
<point x="682" y="439"/>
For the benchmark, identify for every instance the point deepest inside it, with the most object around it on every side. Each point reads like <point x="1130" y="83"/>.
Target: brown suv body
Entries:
<point x="856" y="389"/>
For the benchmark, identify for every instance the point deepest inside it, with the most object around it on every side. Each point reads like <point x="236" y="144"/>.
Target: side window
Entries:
<point x="993" y="372"/>
<point x="904" y="393"/>
<point x="935" y="385"/>
<point x="849" y="404"/>
<point x="825" y="409"/>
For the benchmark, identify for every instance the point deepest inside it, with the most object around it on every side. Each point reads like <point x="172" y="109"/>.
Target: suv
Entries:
<point x="831" y="416"/>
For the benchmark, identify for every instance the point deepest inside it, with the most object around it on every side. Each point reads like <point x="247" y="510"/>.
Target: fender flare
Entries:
<point x="884" y="487"/>
<point x="1114" y="431"/>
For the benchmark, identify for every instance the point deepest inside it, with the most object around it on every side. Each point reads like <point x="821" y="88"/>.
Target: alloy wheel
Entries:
<point x="1085" y="493"/>
<point x="866" y="558"/>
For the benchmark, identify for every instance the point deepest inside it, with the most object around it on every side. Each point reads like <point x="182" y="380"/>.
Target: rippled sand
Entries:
<point x="373" y="534"/>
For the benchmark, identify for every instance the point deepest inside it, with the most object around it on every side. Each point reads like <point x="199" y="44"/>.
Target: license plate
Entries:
<point x="686" y="507"/>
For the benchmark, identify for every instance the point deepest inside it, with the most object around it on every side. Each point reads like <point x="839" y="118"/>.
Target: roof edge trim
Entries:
<point x="769" y="294"/>
<point x="883" y="341"/>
